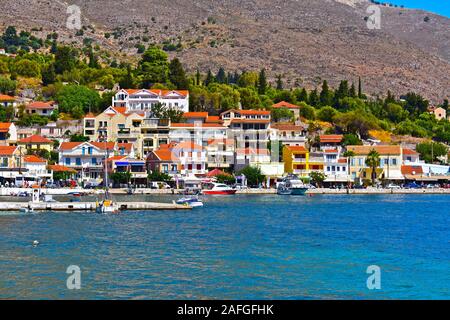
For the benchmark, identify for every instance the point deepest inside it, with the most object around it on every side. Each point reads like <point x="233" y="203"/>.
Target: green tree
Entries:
<point x="157" y="176"/>
<point x="7" y="86"/>
<point x="318" y="178"/>
<point x="221" y="76"/>
<point x="262" y="82"/>
<point x="78" y="138"/>
<point x="351" y="139"/>
<point x="48" y="74"/>
<point x="177" y="75"/>
<point x="326" y="96"/>
<point x="226" y="179"/>
<point x="373" y="162"/>
<point x="279" y="82"/>
<point x="326" y="113"/>
<point x="27" y="68"/>
<point x="249" y="98"/>
<point x="279" y="114"/>
<point x="430" y="152"/>
<point x="120" y="177"/>
<point x="74" y="99"/>
<point x="253" y="175"/>
<point x="65" y="59"/>
<point x="154" y="67"/>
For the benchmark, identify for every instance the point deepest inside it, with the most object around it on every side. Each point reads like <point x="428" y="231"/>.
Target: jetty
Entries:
<point x="87" y="206"/>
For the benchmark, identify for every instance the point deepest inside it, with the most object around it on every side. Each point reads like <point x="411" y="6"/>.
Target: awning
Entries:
<point x="421" y="178"/>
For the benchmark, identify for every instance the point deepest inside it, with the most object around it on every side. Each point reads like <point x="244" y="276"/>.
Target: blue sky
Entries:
<point x="441" y="7"/>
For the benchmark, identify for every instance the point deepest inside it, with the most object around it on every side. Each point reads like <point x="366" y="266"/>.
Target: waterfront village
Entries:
<point x="138" y="149"/>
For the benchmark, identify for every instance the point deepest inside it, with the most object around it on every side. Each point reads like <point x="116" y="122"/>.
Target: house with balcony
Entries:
<point x="143" y="100"/>
<point x="410" y="156"/>
<point x="136" y="168"/>
<point x="36" y="169"/>
<point x="154" y="133"/>
<point x="330" y="142"/>
<point x="184" y="158"/>
<point x="8" y="133"/>
<point x="51" y="131"/>
<point x="220" y="153"/>
<point x="245" y="157"/>
<point x="286" y="105"/>
<point x="391" y="159"/>
<point x="249" y="128"/>
<point x="7" y="101"/>
<point x="87" y="158"/>
<point x="10" y="163"/>
<point x="114" y="124"/>
<point x="335" y="167"/>
<point x="41" y="108"/>
<point x="35" y="143"/>
<point x="298" y="160"/>
<point x="198" y="132"/>
<point x="288" y="134"/>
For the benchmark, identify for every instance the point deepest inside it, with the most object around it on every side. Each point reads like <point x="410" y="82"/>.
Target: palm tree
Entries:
<point x="373" y="161"/>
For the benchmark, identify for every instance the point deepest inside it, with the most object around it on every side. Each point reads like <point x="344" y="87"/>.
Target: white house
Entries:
<point x="35" y="168"/>
<point x="146" y="99"/>
<point x="87" y="158"/>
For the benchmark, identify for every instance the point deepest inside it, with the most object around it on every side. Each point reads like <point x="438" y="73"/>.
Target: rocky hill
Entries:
<point x="306" y="41"/>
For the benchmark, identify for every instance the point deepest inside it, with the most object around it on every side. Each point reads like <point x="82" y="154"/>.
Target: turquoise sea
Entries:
<point x="241" y="247"/>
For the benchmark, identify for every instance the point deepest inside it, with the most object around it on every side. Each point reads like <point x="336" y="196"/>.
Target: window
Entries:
<point x="394" y="162"/>
<point x="174" y="168"/>
<point x="94" y="161"/>
<point x="78" y="161"/>
<point x="67" y="161"/>
<point x="165" y="168"/>
<point x="90" y="150"/>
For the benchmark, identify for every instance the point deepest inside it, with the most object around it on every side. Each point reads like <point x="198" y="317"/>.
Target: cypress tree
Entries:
<point x="221" y="76"/>
<point x="360" y="93"/>
<point x="177" y="75"/>
<point x="279" y="82"/>
<point x="325" y="95"/>
<point x="262" y="82"/>
<point x="314" y="98"/>
<point x="209" y="78"/>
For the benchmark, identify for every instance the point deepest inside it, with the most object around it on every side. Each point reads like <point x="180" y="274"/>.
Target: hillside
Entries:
<point x="306" y="41"/>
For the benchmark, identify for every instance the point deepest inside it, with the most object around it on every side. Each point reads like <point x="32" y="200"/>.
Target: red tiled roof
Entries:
<point x="36" y="139"/>
<point x="104" y="145"/>
<point x="195" y="115"/>
<point x="331" y="151"/>
<point x="188" y="145"/>
<point x="216" y="172"/>
<point x="60" y="168"/>
<point x="41" y="105"/>
<point x="412" y="170"/>
<point x="4" y="126"/>
<point x="213" y="119"/>
<point x="165" y="155"/>
<point x="250" y="121"/>
<point x="5" y="97"/>
<point x="382" y="150"/>
<point x="115" y="158"/>
<point x="228" y="142"/>
<point x="297" y="148"/>
<point x="7" y="150"/>
<point x="192" y="125"/>
<point x="126" y="146"/>
<point x="331" y="138"/>
<point x="411" y="152"/>
<point x="69" y="145"/>
<point x="284" y="104"/>
<point x="34" y="159"/>
<point x="158" y="92"/>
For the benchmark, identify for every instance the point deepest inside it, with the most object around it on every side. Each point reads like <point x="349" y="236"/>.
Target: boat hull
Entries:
<point x="218" y="192"/>
<point x="299" y="191"/>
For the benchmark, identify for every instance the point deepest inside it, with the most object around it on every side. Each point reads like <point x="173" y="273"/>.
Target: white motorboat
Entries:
<point x="193" y="202"/>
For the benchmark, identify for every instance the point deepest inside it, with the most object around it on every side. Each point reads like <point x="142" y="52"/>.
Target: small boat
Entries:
<point x="218" y="189"/>
<point x="292" y="185"/>
<point x="107" y="207"/>
<point x="27" y="210"/>
<point x="193" y="202"/>
<point x="23" y="194"/>
<point x="75" y="194"/>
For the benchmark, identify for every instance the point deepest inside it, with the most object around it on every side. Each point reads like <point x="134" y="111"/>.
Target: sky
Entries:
<point x="441" y="7"/>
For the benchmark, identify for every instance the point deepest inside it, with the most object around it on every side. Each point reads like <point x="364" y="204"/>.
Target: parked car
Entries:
<point x="393" y="186"/>
<point x="412" y="185"/>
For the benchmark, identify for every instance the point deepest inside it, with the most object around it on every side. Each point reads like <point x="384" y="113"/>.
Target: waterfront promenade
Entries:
<point x="147" y="191"/>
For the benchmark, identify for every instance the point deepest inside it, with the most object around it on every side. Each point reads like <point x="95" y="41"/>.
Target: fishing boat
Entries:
<point x="192" y="201"/>
<point x="292" y="185"/>
<point x="218" y="189"/>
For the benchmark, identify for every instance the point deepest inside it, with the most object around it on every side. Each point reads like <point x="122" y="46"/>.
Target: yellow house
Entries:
<point x="298" y="160"/>
<point x="390" y="162"/>
<point x="36" y="142"/>
<point x="115" y="124"/>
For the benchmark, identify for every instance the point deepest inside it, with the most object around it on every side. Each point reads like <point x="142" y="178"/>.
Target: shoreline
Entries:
<point x="10" y="192"/>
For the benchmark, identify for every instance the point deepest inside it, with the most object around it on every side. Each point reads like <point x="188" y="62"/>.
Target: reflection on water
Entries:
<point x="248" y="247"/>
